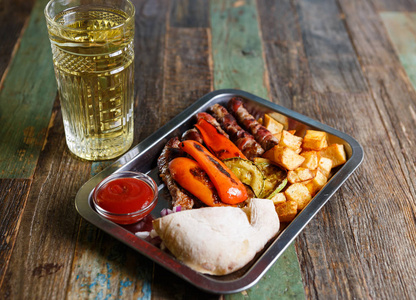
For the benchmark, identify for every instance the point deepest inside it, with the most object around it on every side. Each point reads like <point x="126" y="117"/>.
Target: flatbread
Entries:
<point x="219" y="240"/>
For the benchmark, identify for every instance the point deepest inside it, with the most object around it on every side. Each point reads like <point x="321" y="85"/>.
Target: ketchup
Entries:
<point x="123" y="196"/>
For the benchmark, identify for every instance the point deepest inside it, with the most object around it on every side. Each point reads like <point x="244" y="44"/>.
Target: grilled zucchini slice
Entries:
<point x="275" y="178"/>
<point x="248" y="173"/>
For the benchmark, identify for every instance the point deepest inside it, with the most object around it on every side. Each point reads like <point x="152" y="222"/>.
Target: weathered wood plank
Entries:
<point x="238" y="63"/>
<point x="189" y="13"/>
<point x="394" y="5"/>
<point x="290" y="82"/>
<point x="332" y="61"/>
<point x="361" y="218"/>
<point x="26" y="100"/>
<point x="236" y="47"/>
<point x="187" y="74"/>
<point x="13" y="17"/>
<point x="330" y="267"/>
<point x="41" y="261"/>
<point x="391" y="89"/>
<point x="13" y="195"/>
<point x="103" y="267"/>
<point x="400" y="27"/>
<point x="149" y="64"/>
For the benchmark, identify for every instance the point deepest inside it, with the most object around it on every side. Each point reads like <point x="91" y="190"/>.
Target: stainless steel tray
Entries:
<point x="143" y="158"/>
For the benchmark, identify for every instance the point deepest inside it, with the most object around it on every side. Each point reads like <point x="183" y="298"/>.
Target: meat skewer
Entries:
<point x="262" y="135"/>
<point x="179" y="196"/>
<point x="241" y="138"/>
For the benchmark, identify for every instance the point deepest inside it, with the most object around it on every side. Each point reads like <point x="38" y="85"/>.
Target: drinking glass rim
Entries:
<point x="49" y="19"/>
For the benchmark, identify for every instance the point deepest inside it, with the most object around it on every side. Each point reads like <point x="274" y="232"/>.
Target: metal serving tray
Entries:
<point x="143" y="157"/>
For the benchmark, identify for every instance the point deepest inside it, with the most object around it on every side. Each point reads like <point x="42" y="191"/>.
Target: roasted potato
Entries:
<point x="315" y="140"/>
<point x="284" y="157"/>
<point x="287" y="210"/>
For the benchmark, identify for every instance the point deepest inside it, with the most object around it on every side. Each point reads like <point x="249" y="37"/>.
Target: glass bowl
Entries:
<point x="125" y="197"/>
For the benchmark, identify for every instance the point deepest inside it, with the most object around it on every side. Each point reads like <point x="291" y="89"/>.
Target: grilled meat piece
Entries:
<point x="179" y="196"/>
<point x="262" y="135"/>
<point x="241" y="138"/>
<point x="192" y="134"/>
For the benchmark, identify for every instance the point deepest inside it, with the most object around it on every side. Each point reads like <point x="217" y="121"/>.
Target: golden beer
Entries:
<point x="92" y="48"/>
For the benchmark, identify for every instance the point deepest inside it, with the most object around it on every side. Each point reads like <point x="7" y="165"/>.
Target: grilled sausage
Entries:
<point x="262" y="135"/>
<point x="210" y="119"/>
<point x="241" y="138"/>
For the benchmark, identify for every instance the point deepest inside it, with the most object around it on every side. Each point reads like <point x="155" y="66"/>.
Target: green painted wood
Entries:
<point x="238" y="63"/>
<point x="236" y="47"/>
<point x="400" y="27"/>
<point x="26" y="100"/>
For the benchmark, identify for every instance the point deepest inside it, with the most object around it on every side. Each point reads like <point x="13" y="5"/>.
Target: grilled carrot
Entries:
<point x="230" y="189"/>
<point x="216" y="142"/>
<point x="189" y="174"/>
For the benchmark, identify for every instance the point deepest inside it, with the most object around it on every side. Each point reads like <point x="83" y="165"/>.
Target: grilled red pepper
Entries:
<point x="230" y="189"/>
<point x="217" y="143"/>
<point x="189" y="174"/>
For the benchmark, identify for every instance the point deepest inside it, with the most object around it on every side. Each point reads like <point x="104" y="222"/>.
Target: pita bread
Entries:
<point x="219" y="240"/>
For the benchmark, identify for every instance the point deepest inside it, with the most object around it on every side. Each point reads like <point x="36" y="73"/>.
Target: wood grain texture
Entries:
<point x="290" y="81"/>
<point x="356" y="220"/>
<point x="187" y="75"/>
<point x="189" y="13"/>
<point x="13" y="195"/>
<point x="394" y="100"/>
<point x="104" y="268"/>
<point x="26" y="100"/>
<point x="238" y="63"/>
<point x="368" y="213"/>
<point x="332" y="61"/>
<point x="41" y="260"/>
<point x="151" y="18"/>
<point x="13" y="17"/>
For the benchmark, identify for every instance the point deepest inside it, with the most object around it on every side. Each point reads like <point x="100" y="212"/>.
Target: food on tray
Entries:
<point x="248" y="173"/>
<point x="241" y="138"/>
<point x="179" y="196"/>
<point x="285" y="157"/>
<point x="227" y="161"/>
<point x="230" y="189"/>
<point x="273" y="126"/>
<point x="263" y="136"/>
<point x="335" y="153"/>
<point x="314" y="140"/>
<point x="219" y="240"/>
<point x="189" y="174"/>
<point x="217" y="143"/>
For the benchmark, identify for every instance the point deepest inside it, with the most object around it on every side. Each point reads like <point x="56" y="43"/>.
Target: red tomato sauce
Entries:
<point x="124" y="195"/>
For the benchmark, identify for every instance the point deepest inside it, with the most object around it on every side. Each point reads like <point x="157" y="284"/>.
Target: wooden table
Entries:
<point x="347" y="63"/>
